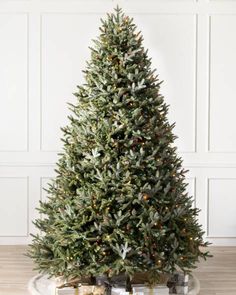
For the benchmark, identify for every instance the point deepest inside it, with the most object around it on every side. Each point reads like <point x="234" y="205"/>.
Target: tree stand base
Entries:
<point x="41" y="285"/>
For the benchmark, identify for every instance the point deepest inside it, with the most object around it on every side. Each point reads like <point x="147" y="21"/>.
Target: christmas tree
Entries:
<point x="118" y="204"/>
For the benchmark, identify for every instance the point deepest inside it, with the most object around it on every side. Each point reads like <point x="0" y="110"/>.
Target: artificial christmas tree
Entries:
<point x="118" y="204"/>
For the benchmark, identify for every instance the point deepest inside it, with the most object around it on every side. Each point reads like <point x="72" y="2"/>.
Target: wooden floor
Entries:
<point x="217" y="275"/>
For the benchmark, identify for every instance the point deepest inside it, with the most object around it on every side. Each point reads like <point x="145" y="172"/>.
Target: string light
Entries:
<point x="126" y="19"/>
<point x="108" y="238"/>
<point x="146" y="197"/>
<point x="159" y="262"/>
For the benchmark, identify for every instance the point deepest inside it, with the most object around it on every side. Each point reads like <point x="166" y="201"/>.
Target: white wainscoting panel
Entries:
<point x="14" y="206"/>
<point x="64" y="54"/>
<point x="221" y="208"/>
<point x="44" y="48"/>
<point x="13" y="82"/>
<point x="222" y="129"/>
<point x="176" y="65"/>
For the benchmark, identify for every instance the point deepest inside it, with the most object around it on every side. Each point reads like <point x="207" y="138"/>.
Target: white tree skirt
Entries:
<point x="41" y="285"/>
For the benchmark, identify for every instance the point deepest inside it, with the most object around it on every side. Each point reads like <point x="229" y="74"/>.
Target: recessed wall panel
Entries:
<point x="65" y="41"/>
<point x="171" y="40"/>
<point x="14" y="206"/>
<point x="13" y="81"/>
<point x="222" y="103"/>
<point x="221" y="207"/>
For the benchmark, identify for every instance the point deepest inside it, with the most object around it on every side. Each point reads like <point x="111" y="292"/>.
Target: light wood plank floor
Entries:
<point x="217" y="275"/>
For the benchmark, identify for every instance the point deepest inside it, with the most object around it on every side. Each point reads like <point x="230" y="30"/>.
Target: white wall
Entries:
<point x="43" y="49"/>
